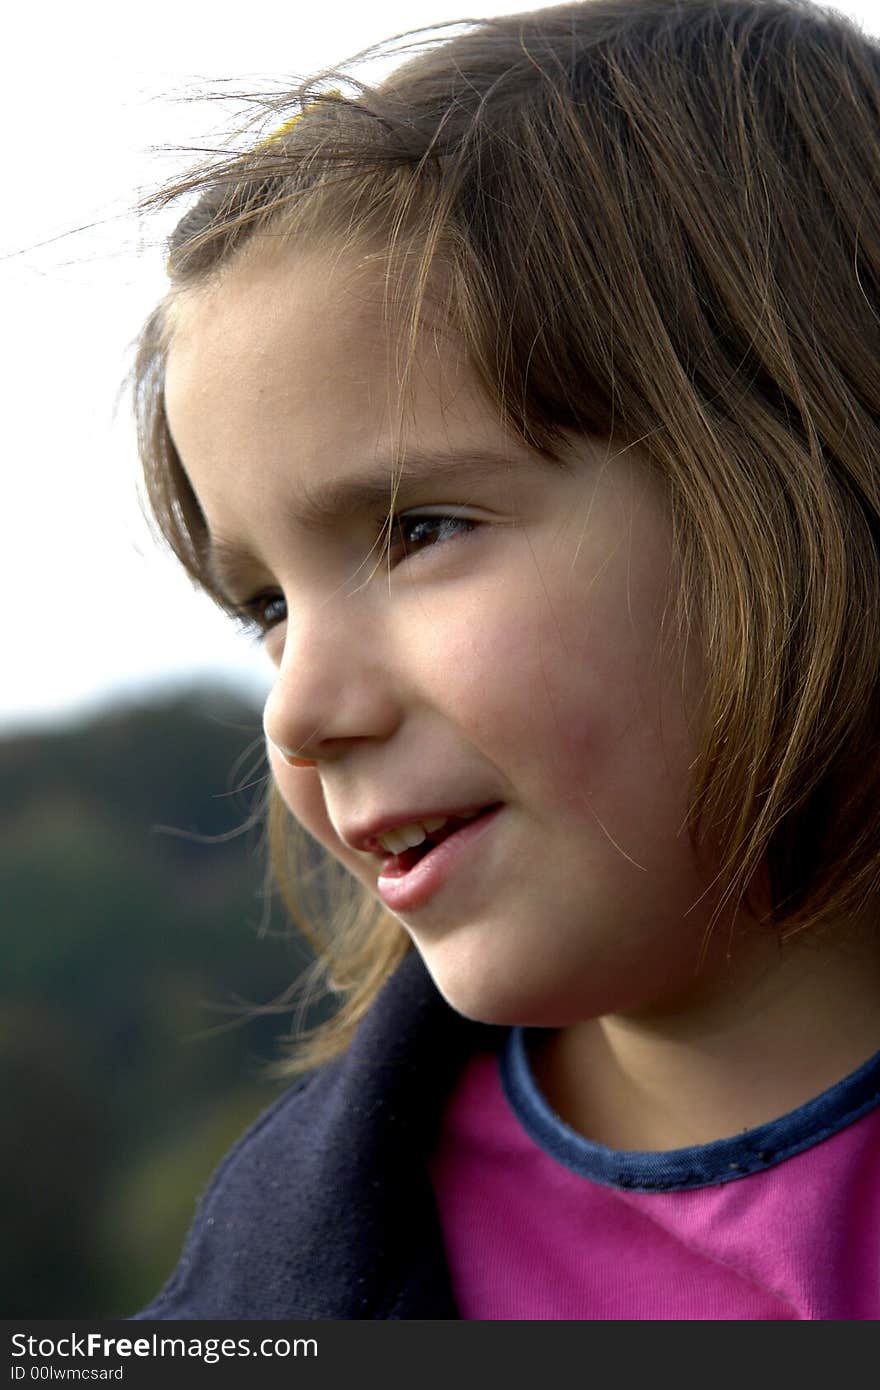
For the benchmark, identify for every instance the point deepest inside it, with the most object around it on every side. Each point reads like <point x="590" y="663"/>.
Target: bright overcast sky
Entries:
<point x="94" y="611"/>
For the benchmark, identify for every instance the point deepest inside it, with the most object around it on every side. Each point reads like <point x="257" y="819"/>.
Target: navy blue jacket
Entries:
<point x="324" y="1209"/>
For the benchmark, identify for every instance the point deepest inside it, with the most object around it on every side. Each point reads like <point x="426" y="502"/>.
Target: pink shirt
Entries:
<point x="781" y="1222"/>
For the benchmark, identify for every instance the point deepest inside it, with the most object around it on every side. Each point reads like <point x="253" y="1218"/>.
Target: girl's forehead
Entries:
<point x="281" y="284"/>
<point x="284" y="373"/>
<point x="278" y="327"/>
<point x="269" y="297"/>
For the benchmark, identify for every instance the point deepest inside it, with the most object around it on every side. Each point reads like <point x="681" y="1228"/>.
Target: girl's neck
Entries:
<point x="654" y="1082"/>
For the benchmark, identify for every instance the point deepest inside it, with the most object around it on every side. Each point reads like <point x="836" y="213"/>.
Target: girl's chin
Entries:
<point x="504" y="1004"/>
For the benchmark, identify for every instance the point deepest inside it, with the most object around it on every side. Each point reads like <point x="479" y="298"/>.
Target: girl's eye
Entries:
<point x="261" y="613"/>
<point x="406" y="534"/>
<point x="412" y="532"/>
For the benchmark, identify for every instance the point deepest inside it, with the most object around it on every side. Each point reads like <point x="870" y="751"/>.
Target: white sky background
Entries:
<point x="93" y="610"/>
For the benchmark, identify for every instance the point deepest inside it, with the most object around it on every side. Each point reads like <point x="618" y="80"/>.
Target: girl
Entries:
<point x="527" y="405"/>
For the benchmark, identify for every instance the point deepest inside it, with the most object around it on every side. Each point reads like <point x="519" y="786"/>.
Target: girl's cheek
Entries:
<point x="301" y="791"/>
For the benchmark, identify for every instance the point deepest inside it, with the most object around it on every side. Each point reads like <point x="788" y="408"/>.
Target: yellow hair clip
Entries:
<point x="284" y="129"/>
<point x="287" y="126"/>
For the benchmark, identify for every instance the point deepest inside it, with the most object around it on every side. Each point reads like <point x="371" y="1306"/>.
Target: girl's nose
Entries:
<point x="290" y="756"/>
<point x="333" y="688"/>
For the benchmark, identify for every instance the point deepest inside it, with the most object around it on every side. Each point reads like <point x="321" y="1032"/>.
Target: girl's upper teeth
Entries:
<point x="408" y="836"/>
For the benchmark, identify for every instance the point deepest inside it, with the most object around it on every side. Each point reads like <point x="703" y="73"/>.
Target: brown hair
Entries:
<point x="657" y="219"/>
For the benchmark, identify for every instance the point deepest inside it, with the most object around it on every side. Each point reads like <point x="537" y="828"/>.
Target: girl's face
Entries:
<point x="506" y="652"/>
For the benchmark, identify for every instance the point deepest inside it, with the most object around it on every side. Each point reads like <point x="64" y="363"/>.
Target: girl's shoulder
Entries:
<point x="330" y="1186"/>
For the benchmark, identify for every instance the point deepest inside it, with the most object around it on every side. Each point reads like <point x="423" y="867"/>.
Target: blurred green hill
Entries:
<point x="137" y="945"/>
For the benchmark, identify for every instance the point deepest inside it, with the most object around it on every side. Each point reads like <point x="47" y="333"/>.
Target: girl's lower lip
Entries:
<point x="414" y="888"/>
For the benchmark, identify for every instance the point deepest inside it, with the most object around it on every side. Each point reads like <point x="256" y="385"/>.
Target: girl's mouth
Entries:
<point x="408" y="880"/>
<point x="396" y="865"/>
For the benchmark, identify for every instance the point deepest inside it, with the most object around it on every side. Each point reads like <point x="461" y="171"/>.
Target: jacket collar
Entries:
<point x="325" y="1209"/>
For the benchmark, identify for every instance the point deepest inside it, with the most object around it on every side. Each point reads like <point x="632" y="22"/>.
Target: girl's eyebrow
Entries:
<point x="227" y="561"/>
